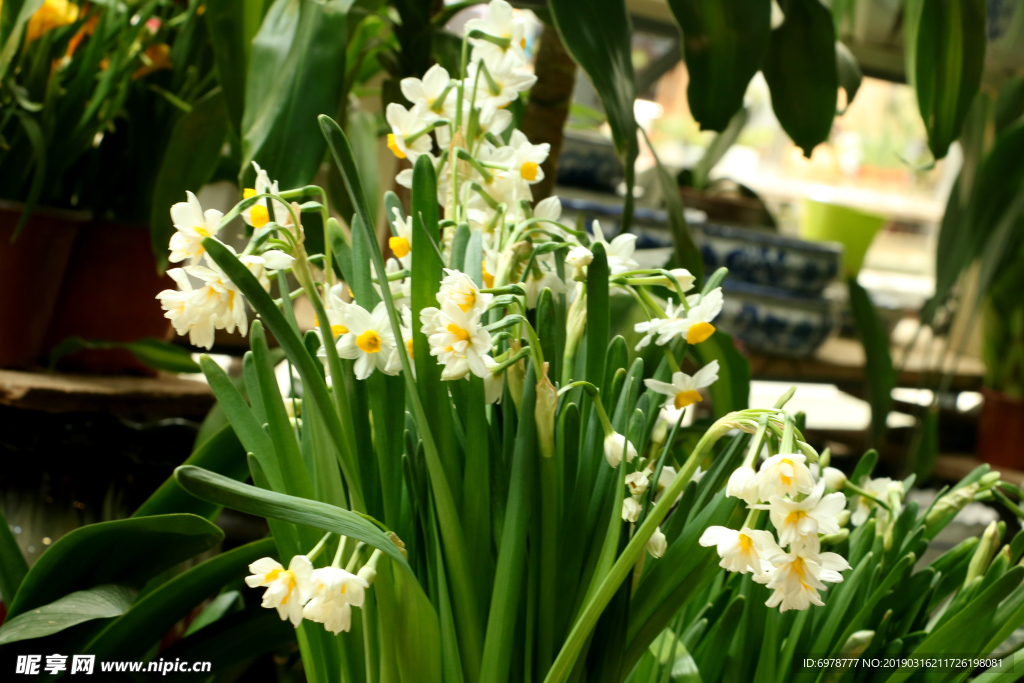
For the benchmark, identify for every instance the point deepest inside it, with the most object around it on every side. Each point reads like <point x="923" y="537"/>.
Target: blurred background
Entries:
<point x="848" y="271"/>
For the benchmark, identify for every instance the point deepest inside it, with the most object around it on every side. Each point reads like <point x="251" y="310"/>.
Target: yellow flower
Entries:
<point x="52" y="14"/>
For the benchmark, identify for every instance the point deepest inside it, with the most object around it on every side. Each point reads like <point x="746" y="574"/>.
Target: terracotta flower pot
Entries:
<point x="1001" y="430"/>
<point x="109" y="294"/>
<point x="31" y="270"/>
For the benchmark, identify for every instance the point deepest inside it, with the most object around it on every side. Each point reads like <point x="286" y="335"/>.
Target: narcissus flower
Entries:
<point x="797" y="576"/>
<point x="693" y="325"/>
<point x="619" y="251"/>
<point x="739" y="550"/>
<point x="274" y="259"/>
<point x="192" y="225"/>
<point x="683" y="389"/>
<point x="287" y="589"/>
<point x="785" y="474"/>
<point x="638" y="482"/>
<point x="863" y="505"/>
<point x="334" y="592"/>
<point x="457" y="339"/>
<point x="459" y="289"/>
<point x="369" y="340"/>
<point x="815" y="514"/>
<point x="499" y="22"/>
<point x="433" y="97"/>
<point x="259" y="214"/>
<point x="631" y="509"/>
<point x="184" y="314"/>
<point x="527" y="157"/>
<point x="579" y="257"/>
<point x="50" y="15"/>
<point x="408" y="136"/>
<point x="498" y="88"/>
<point x="741" y="485"/>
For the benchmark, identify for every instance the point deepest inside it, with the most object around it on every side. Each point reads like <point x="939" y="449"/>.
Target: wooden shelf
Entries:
<point x="161" y="396"/>
<point x="841" y="361"/>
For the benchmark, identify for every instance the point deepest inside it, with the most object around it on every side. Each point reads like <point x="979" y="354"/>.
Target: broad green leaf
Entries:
<point x="945" y="55"/>
<point x="879" y="374"/>
<point x="233" y="639"/>
<point x="800" y="67"/>
<point x="599" y="40"/>
<point x="12" y="563"/>
<point x="14" y="16"/>
<point x="1007" y="671"/>
<point x="310" y="513"/>
<point x="189" y="160"/>
<point x="732" y="390"/>
<point x="222" y="453"/>
<point x="296" y="72"/>
<point x="924" y="446"/>
<point x="224" y="604"/>
<point x="710" y="655"/>
<point x="598" y="321"/>
<point x="409" y="624"/>
<point x="125" y="551"/>
<point x="232" y="24"/>
<point x="101" y="602"/>
<point x="1010" y="105"/>
<point x="724" y="42"/>
<point x="151" y="352"/>
<point x="155" y="613"/>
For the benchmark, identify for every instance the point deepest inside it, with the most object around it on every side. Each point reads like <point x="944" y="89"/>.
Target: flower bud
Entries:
<point x="741" y="485"/>
<point x="615" y="445"/>
<point x="399" y="543"/>
<point x="683" y="277"/>
<point x="834" y="479"/>
<point x="989" y="480"/>
<point x="843" y="518"/>
<point x="984" y="553"/>
<point x="544" y="413"/>
<point x="835" y="539"/>
<point x="637" y="483"/>
<point x="945" y="509"/>
<point x="631" y="510"/>
<point x="579" y="257"/>
<point x="656" y="544"/>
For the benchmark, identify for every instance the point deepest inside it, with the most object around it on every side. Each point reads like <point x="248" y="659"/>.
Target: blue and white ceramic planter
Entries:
<point x="775" y="322"/>
<point x="764" y="258"/>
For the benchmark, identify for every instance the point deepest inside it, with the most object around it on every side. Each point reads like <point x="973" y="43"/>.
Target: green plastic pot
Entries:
<point x="854" y="229"/>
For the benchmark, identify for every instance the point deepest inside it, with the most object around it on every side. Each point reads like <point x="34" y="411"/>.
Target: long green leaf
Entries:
<point x="125" y="551"/>
<point x="879" y="374"/>
<point x="310" y="513"/>
<point x="725" y="42"/>
<point x="599" y="40"/>
<point x="101" y="602"/>
<point x="189" y="160"/>
<point x="732" y="390"/>
<point x="800" y="68"/>
<point x="13" y="566"/>
<point x="232" y="24"/>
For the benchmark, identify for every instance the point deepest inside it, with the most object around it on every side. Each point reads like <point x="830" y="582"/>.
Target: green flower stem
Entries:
<point x="354" y="559"/>
<point x="409" y="139"/>
<point x="461" y="153"/>
<point x="751" y="521"/>
<point x="511" y="360"/>
<point x="584" y="625"/>
<point x="786" y="446"/>
<point x="850" y="486"/>
<point x="503" y="43"/>
<point x="756" y="442"/>
<point x="595" y="397"/>
<point x="318" y="548"/>
<point x="340" y="552"/>
<point x="1010" y="505"/>
<point x="653" y="487"/>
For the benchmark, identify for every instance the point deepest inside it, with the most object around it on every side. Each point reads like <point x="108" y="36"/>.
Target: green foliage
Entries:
<point x="101" y="602"/>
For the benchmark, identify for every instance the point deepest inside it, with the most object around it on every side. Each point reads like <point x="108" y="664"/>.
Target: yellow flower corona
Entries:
<point x="699" y="332"/>
<point x="393" y="146"/>
<point x="399" y="246"/>
<point x="368" y="341"/>
<point x="686" y="398"/>
<point x="529" y="170"/>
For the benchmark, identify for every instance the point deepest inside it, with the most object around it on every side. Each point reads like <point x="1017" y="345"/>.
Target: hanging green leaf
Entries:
<point x="296" y="72"/>
<point x="800" y="68"/>
<point x="850" y="75"/>
<point x="189" y="160"/>
<point x="599" y="39"/>
<point x="944" y="46"/>
<point x="879" y="374"/>
<point x="151" y="352"/>
<point x="724" y="42"/>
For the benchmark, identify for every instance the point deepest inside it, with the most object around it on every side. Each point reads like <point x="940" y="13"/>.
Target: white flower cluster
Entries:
<point x="217" y="303"/>
<point x="801" y="512"/>
<point x="326" y="595"/>
<point x="690" y="320"/>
